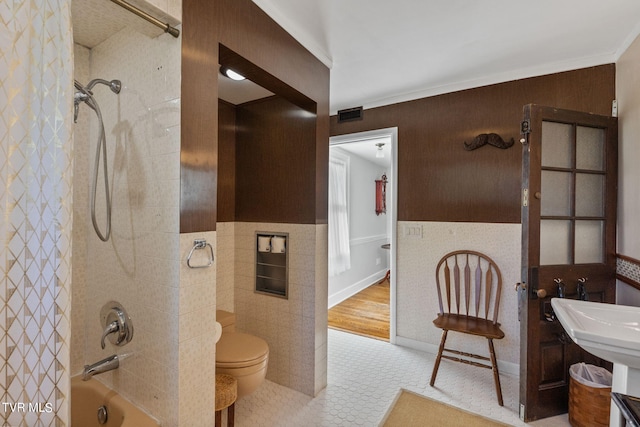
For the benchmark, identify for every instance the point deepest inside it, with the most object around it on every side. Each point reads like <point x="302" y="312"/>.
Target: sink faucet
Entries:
<point x="110" y="363"/>
<point x="561" y="287"/>
<point x="582" y="289"/>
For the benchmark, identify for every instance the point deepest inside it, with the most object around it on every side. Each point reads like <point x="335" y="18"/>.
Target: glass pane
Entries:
<point x="555" y="245"/>
<point x="589" y="194"/>
<point x="589" y="242"/>
<point x="556" y="193"/>
<point x="590" y="148"/>
<point x="556" y="144"/>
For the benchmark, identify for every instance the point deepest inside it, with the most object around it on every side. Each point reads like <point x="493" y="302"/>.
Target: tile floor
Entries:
<point x="364" y="377"/>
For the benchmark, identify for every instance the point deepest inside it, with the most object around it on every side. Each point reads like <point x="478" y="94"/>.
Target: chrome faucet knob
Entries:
<point x="582" y="289"/>
<point x="117" y="324"/>
<point x="110" y="329"/>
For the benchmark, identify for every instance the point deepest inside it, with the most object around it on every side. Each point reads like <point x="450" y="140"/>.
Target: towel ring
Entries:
<point x="200" y="244"/>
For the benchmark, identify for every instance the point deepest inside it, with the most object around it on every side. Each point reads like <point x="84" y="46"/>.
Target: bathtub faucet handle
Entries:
<point x="116" y="323"/>
<point x="110" y="329"/>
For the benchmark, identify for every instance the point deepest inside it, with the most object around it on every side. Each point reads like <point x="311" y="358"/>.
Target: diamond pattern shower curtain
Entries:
<point x="36" y="92"/>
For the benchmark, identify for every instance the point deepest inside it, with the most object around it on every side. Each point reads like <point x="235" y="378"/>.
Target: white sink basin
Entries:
<point x="611" y="332"/>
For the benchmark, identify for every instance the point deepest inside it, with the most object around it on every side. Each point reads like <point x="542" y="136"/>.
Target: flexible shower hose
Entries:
<point x="102" y="146"/>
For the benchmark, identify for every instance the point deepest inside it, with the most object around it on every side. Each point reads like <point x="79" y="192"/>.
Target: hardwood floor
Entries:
<point x="366" y="313"/>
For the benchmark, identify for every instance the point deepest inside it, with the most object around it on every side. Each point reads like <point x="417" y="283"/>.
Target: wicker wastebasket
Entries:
<point x="589" y="406"/>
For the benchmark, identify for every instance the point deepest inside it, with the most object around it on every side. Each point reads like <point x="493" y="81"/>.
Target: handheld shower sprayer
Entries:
<point x="114" y="85"/>
<point x="84" y="94"/>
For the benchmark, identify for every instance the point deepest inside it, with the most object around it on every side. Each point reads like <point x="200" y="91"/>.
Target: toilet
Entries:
<point x="240" y="355"/>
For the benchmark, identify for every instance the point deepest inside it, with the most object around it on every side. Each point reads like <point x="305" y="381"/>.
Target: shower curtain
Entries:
<point x="339" y="249"/>
<point x="36" y="93"/>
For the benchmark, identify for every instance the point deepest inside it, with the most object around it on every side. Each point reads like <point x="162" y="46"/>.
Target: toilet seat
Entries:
<point x="237" y="350"/>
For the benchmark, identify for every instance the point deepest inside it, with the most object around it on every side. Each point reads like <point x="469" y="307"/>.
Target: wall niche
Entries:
<point x="266" y="148"/>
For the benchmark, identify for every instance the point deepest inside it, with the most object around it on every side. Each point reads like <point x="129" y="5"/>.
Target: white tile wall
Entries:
<point x="197" y="347"/>
<point x="295" y="328"/>
<point x="417" y="301"/>
<point x="225" y="277"/>
<point x="321" y="304"/>
<point x="80" y="217"/>
<point x="141" y="265"/>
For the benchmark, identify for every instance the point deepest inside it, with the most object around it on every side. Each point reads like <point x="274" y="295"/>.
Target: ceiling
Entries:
<point x="94" y="21"/>
<point x="382" y="52"/>
<point x="367" y="149"/>
<point x="239" y="91"/>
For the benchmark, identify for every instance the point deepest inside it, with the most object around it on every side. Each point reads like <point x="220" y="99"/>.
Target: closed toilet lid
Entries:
<point x="236" y="347"/>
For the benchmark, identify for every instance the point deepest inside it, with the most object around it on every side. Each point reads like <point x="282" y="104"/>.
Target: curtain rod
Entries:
<point x="144" y="15"/>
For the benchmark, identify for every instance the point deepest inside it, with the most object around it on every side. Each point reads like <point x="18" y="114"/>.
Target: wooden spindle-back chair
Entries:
<point x="469" y="285"/>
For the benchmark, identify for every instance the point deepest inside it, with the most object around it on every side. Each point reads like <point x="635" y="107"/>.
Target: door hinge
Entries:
<point x="525" y="130"/>
<point x="525" y="197"/>
<point x="522" y="411"/>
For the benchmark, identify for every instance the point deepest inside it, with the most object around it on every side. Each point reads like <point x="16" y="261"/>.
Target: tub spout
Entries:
<point x="110" y="363"/>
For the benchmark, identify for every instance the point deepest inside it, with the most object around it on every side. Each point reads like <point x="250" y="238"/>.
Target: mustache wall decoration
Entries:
<point x="488" y="138"/>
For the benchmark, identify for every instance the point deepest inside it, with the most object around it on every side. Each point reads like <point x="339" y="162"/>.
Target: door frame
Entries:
<point x="537" y="400"/>
<point x="392" y="206"/>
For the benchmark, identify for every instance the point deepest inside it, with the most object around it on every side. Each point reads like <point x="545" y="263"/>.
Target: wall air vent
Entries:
<point x="350" y="114"/>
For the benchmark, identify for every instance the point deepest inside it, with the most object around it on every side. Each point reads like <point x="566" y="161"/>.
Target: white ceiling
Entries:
<point x="367" y="149"/>
<point x="382" y="52"/>
<point x="94" y="21"/>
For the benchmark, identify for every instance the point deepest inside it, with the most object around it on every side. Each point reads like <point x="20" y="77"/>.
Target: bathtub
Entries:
<point x="87" y="397"/>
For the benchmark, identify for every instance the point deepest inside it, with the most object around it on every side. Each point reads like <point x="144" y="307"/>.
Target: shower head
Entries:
<point x="84" y="94"/>
<point x="114" y="85"/>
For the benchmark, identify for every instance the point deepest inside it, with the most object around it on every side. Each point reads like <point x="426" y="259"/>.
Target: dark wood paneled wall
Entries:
<point x="437" y="179"/>
<point x="245" y="29"/>
<point x="274" y="148"/>
<point x="227" y="165"/>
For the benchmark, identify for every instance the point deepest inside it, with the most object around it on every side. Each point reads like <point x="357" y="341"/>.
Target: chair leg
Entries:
<point x="231" y="415"/>
<point x="437" y="363"/>
<point x="218" y="419"/>
<point x="496" y="374"/>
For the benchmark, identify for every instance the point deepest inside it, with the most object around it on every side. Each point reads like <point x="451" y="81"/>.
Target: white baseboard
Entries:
<point x="508" y="368"/>
<point x="350" y="291"/>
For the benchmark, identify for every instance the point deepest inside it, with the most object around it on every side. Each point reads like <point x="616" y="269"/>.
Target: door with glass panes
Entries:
<point x="569" y="176"/>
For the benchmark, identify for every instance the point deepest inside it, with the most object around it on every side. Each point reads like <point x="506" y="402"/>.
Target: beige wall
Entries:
<point x="628" y="96"/>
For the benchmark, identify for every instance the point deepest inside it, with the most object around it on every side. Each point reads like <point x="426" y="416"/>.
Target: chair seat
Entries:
<point x="226" y="391"/>
<point x="469" y="325"/>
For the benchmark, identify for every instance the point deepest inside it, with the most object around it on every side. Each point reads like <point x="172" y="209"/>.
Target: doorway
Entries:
<point x="379" y="148"/>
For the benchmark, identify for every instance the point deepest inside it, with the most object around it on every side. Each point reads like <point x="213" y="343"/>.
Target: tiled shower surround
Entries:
<point x="169" y="366"/>
<point x="295" y="328"/>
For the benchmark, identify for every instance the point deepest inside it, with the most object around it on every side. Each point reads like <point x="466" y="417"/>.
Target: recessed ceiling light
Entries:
<point x="227" y="72"/>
